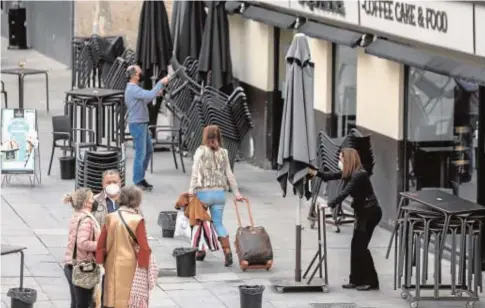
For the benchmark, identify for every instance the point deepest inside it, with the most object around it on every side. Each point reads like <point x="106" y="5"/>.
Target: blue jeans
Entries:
<point x="143" y="150"/>
<point x="216" y="200"/>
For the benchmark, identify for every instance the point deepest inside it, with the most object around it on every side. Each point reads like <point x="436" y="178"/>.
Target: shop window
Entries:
<point x="345" y="88"/>
<point x="442" y="125"/>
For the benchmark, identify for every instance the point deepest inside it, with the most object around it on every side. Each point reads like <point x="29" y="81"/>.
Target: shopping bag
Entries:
<point x="182" y="226"/>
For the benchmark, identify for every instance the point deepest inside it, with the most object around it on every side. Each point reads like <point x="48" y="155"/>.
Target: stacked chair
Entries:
<point x="417" y="226"/>
<point x="92" y="58"/>
<point x="328" y="157"/>
<point x="90" y="166"/>
<point x="230" y="113"/>
<point x="196" y="106"/>
<point x="115" y="78"/>
<point x="99" y="62"/>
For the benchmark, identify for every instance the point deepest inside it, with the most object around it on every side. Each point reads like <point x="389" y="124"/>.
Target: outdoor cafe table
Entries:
<point x="447" y="204"/>
<point x="21" y="73"/>
<point x="99" y="95"/>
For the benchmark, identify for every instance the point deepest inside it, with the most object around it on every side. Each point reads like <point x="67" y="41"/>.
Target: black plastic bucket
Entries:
<point x="251" y="296"/>
<point x="22" y="298"/>
<point x="167" y="220"/>
<point x="68" y="167"/>
<point x="185" y="258"/>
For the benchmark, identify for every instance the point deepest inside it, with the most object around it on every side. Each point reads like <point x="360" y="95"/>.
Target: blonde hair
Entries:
<point x="131" y="196"/>
<point x="212" y="133"/>
<point x="78" y="198"/>
<point x="351" y="162"/>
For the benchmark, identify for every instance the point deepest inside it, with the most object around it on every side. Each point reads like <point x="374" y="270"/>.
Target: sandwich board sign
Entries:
<point x="19" y="141"/>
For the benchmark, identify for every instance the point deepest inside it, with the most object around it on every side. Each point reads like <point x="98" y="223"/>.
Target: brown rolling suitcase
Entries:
<point x="253" y="245"/>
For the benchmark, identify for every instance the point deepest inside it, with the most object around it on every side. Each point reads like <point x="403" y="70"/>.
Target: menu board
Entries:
<point x="19" y="141"/>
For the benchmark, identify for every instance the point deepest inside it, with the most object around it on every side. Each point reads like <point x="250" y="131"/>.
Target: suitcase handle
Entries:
<point x="246" y="201"/>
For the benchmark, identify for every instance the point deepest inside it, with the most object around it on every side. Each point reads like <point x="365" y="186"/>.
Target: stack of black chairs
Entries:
<point x="115" y="78"/>
<point x="82" y="63"/>
<point x="230" y="113"/>
<point x="92" y="59"/>
<point x="90" y="166"/>
<point x="328" y="157"/>
<point x="101" y="63"/>
<point x="197" y="106"/>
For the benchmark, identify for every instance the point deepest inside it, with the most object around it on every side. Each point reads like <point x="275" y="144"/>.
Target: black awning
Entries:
<point x="427" y="60"/>
<point x="233" y="6"/>
<point x="269" y="17"/>
<point x="329" y="33"/>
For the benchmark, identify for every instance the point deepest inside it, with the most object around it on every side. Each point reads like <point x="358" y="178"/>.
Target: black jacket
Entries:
<point x="358" y="186"/>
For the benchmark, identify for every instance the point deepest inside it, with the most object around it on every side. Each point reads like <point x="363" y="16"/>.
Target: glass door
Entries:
<point x="441" y="134"/>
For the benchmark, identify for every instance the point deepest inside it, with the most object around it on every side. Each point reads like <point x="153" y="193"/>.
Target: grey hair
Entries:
<point x="111" y="172"/>
<point x="131" y="70"/>
<point x="131" y="196"/>
<point x="78" y="198"/>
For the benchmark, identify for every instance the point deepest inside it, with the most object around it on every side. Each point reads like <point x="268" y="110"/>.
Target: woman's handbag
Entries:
<point x="143" y="280"/>
<point x="85" y="274"/>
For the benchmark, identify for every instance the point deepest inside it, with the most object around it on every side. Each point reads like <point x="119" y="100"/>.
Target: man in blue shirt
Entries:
<point x="136" y="101"/>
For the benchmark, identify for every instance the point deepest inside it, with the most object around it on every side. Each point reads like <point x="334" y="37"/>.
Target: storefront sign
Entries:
<point x="480" y="30"/>
<point x="337" y="7"/>
<point x="344" y="11"/>
<point x="444" y="24"/>
<point x="19" y="141"/>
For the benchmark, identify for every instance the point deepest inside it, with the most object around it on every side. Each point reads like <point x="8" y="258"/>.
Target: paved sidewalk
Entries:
<point x="36" y="218"/>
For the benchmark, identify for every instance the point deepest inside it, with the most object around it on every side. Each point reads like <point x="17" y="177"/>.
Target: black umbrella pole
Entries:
<point x="298" y="242"/>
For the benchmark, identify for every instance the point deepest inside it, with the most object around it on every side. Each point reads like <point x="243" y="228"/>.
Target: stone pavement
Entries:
<point x="35" y="217"/>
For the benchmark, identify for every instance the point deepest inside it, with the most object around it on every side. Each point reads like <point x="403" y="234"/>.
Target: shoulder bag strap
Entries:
<point x="74" y="253"/>
<point x="128" y="228"/>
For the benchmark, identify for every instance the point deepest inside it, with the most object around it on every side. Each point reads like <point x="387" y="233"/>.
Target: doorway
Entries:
<point x="441" y="112"/>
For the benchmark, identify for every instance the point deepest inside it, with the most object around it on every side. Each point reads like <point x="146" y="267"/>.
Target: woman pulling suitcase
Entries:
<point x="363" y="275"/>
<point x="211" y="171"/>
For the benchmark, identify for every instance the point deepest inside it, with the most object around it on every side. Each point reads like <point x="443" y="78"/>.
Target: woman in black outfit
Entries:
<point x="363" y="275"/>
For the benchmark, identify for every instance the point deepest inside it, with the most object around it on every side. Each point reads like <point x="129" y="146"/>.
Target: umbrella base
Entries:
<point x="316" y="285"/>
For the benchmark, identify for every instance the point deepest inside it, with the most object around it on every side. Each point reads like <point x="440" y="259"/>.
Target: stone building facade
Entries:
<point x="110" y="18"/>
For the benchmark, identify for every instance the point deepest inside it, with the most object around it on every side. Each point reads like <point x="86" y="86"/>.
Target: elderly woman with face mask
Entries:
<point x="84" y="232"/>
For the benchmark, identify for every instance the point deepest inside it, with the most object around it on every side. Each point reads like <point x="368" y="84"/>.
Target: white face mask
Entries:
<point x="112" y="190"/>
<point x="340" y="165"/>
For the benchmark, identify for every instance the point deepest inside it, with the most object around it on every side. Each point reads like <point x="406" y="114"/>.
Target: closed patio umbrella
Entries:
<point x="178" y="12"/>
<point x="297" y="147"/>
<point x="215" y="54"/>
<point x="189" y="40"/>
<point x="154" y="47"/>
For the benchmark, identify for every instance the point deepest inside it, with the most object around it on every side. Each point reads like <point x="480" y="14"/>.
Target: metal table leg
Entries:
<point x="446" y="225"/>
<point x="21" y="269"/>
<point x="399" y="209"/>
<point x="21" y="90"/>
<point x="47" y="90"/>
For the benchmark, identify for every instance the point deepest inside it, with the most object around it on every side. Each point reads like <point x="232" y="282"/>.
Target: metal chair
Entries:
<point x="174" y="141"/>
<point x="2" y="91"/>
<point x="62" y="131"/>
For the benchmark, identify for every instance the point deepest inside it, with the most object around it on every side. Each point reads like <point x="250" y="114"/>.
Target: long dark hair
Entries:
<point x="351" y="161"/>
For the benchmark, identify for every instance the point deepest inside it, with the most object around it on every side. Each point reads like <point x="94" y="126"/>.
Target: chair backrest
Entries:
<point x="61" y="124"/>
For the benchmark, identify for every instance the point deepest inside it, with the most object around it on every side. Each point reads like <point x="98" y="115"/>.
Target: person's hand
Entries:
<point x="312" y="172"/>
<point x="239" y="197"/>
<point x="164" y="80"/>
<point x="323" y="205"/>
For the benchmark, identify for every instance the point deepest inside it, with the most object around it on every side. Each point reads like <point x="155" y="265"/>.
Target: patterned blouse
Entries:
<point x="211" y="170"/>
